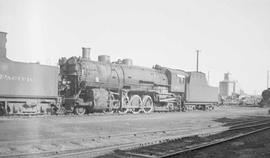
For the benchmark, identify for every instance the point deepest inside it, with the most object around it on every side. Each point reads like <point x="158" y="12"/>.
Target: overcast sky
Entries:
<point x="233" y="35"/>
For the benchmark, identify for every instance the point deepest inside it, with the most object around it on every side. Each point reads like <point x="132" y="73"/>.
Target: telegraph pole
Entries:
<point x="198" y="51"/>
<point x="267" y="79"/>
<point x="208" y="77"/>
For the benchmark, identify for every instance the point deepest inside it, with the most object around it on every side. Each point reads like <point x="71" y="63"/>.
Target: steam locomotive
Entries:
<point x="102" y="85"/>
<point x="81" y="85"/>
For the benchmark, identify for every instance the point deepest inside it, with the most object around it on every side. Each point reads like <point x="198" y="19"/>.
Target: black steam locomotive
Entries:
<point x="120" y="86"/>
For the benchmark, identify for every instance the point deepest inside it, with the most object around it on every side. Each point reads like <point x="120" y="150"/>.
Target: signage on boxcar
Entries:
<point x="15" y="78"/>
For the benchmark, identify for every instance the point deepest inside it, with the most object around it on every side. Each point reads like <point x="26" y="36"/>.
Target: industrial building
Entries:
<point x="229" y="87"/>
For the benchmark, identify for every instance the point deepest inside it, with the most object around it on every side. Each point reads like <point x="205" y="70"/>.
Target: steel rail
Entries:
<point x="66" y="153"/>
<point x="79" y="151"/>
<point x="125" y="134"/>
<point x="204" y="144"/>
<point x="89" y="150"/>
<point x="101" y="136"/>
<point x="248" y="120"/>
<point x="150" y="156"/>
<point x="97" y="151"/>
<point x="213" y="143"/>
<point x="249" y="124"/>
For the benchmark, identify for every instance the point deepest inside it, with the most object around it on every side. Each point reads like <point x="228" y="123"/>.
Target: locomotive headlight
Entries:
<point x="64" y="82"/>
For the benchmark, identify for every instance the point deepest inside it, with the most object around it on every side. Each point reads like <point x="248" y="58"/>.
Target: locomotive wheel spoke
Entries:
<point x="135" y="104"/>
<point x="170" y="107"/>
<point x="148" y="105"/>
<point x="124" y="109"/>
<point x="112" y="105"/>
<point x="61" y="111"/>
<point x="80" y="110"/>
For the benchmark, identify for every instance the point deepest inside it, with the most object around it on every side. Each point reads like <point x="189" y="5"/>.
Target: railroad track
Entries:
<point x="178" y="146"/>
<point x="105" y="149"/>
<point x="132" y="147"/>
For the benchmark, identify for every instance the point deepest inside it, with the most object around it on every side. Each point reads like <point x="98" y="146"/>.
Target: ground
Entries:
<point x="251" y="146"/>
<point x="49" y="133"/>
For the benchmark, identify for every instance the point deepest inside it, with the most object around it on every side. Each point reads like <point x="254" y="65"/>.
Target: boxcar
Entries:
<point x="26" y="87"/>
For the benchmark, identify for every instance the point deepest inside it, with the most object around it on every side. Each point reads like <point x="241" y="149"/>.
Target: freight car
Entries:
<point x="26" y="88"/>
<point x="88" y="86"/>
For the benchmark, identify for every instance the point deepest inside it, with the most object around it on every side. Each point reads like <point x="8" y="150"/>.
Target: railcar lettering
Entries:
<point x="16" y="78"/>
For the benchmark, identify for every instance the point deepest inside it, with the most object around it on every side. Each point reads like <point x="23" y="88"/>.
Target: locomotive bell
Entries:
<point x="86" y="53"/>
<point x="104" y="59"/>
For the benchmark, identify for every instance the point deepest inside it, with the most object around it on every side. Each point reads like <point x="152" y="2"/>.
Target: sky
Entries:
<point x="232" y="35"/>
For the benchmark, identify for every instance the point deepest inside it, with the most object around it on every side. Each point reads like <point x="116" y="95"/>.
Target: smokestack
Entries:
<point x="86" y="53"/>
<point x="3" y="41"/>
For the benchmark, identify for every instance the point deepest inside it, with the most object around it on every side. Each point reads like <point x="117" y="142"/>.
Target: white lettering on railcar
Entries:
<point x="16" y="78"/>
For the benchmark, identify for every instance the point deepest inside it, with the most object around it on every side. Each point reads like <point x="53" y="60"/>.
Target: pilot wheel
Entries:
<point x="80" y="110"/>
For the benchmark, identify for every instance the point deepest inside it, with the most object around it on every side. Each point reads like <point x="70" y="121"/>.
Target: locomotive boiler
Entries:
<point x="102" y="85"/>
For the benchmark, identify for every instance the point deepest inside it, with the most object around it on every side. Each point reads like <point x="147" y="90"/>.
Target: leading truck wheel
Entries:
<point x="80" y="110"/>
<point x="148" y="105"/>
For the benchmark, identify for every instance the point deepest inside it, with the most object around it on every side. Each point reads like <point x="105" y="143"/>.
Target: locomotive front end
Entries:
<point x="71" y="84"/>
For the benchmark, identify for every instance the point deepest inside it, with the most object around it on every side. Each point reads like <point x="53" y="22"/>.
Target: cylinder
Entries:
<point x="3" y="41"/>
<point x="104" y="59"/>
<point x="127" y="62"/>
<point x="86" y="53"/>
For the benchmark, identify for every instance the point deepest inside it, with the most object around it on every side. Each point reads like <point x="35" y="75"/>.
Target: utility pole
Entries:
<point x="267" y="79"/>
<point x="198" y="51"/>
<point x="208" y="77"/>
